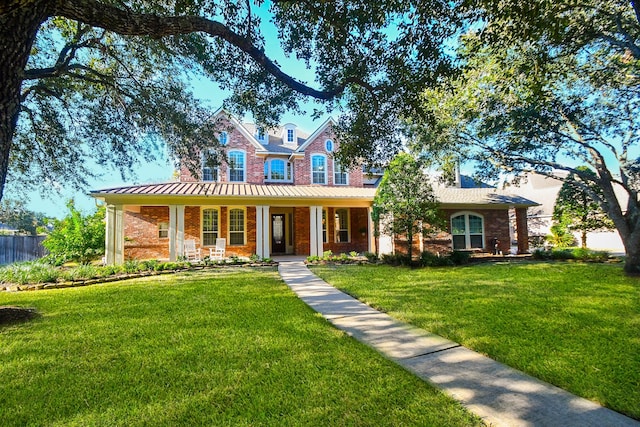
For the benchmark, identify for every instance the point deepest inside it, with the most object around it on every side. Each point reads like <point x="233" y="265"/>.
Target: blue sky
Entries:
<point x="208" y="92"/>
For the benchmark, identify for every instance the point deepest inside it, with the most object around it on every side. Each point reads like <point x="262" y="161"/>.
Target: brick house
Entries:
<point x="281" y="193"/>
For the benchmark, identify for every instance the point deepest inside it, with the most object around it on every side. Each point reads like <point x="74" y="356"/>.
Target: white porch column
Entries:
<point x="315" y="230"/>
<point x="173" y="225"/>
<point x="259" y="234"/>
<point x="114" y="235"/>
<point x="266" y="241"/>
<point x="180" y="230"/>
<point x="371" y="228"/>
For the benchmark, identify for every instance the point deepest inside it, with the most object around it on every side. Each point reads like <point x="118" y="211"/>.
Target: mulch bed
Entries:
<point x="9" y="314"/>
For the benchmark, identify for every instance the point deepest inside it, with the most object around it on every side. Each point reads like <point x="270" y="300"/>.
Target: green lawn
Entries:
<point x="210" y="348"/>
<point x="572" y="324"/>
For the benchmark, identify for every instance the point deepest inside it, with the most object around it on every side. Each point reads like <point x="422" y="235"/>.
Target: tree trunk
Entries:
<point x="18" y="28"/>
<point x="584" y="240"/>
<point x="632" y="253"/>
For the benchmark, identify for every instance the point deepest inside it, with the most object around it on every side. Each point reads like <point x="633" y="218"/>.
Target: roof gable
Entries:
<point x="236" y="123"/>
<point x="314" y="135"/>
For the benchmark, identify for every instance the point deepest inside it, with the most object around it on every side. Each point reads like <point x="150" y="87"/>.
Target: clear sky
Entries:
<point x="208" y="92"/>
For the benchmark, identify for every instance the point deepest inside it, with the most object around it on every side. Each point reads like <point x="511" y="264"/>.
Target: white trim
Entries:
<point x="314" y="135"/>
<point x="288" y="166"/>
<point x="217" y="226"/>
<point x="244" y="226"/>
<point x="251" y="138"/>
<point x="244" y="164"/>
<point x="326" y="167"/>
<point x="336" y="230"/>
<point x="467" y="234"/>
<point x="346" y="174"/>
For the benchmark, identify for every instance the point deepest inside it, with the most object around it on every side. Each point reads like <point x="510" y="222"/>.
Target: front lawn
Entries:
<point x="206" y="348"/>
<point x="575" y="325"/>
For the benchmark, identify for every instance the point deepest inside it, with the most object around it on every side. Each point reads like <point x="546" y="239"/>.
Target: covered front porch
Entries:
<point x="263" y="220"/>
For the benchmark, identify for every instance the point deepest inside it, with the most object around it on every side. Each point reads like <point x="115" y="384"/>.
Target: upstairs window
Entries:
<point x="290" y="135"/>
<point x="328" y="145"/>
<point x="236" y="166"/>
<point x="223" y="138"/>
<point x="278" y="170"/>
<point x="318" y="169"/>
<point x="209" y="172"/>
<point x="340" y="177"/>
<point x="261" y="135"/>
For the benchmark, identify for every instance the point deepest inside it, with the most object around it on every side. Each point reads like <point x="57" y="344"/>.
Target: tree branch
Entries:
<point x="123" y="22"/>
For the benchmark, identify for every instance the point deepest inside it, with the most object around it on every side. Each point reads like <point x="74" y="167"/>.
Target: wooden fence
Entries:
<point x="21" y="248"/>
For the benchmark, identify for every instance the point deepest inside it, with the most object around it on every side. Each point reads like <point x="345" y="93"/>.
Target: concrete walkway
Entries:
<point x="499" y="394"/>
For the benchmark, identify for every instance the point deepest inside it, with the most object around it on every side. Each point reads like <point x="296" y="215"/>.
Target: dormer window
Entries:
<point x="290" y="135"/>
<point x="328" y="145"/>
<point x="223" y="138"/>
<point x="261" y="136"/>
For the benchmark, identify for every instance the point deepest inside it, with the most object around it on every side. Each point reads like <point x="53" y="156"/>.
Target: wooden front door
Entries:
<point x="278" y="241"/>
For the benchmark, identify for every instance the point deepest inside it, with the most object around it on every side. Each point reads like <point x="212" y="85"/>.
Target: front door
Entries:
<point x="278" y="242"/>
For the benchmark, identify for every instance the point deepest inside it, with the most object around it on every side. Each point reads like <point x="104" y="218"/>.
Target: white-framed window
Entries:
<point x="210" y="226"/>
<point x="223" y="138"/>
<point x="328" y="145"/>
<point x="278" y="170"/>
<point x="261" y="135"/>
<point x="163" y="230"/>
<point x="340" y="176"/>
<point x="237" y="166"/>
<point x="318" y="169"/>
<point x="291" y="135"/>
<point x="324" y="226"/>
<point x="467" y="230"/>
<point x="342" y="225"/>
<point x="209" y="173"/>
<point x="237" y="226"/>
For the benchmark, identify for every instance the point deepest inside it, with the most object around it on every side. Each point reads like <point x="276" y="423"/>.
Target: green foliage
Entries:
<point x="371" y="256"/>
<point x="396" y="259"/>
<point x="428" y="259"/>
<point x="577" y="208"/>
<point x="15" y="214"/>
<point x="405" y="200"/>
<point x="77" y="237"/>
<point x="561" y="235"/>
<point x="28" y="272"/>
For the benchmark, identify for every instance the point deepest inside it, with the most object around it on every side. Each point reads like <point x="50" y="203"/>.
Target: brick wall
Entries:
<point x="496" y="224"/>
<point x="302" y="235"/>
<point x="141" y="233"/>
<point x="358" y="242"/>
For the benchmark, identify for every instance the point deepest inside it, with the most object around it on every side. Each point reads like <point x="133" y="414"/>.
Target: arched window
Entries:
<point x="236" y="166"/>
<point x="209" y="226"/>
<point x="318" y="169"/>
<point x="467" y="230"/>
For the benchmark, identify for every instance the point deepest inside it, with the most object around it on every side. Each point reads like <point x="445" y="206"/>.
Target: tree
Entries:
<point x="15" y="214"/>
<point x="405" y="201"/>
<point x="527" y="109"/>
<point x="104" y="79"/>
<point x="575" y="207"/>
<point x="77" y="237"/>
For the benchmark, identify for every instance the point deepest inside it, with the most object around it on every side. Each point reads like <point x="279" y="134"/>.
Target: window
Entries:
<point x="324" y="226"/>
<point x="318" y="169"/>
<point x="467" y="231"/>
<point x="340" y="177"/>
<point x="261" y="135"/>
<point x="236" y="227"/>
<point x="210" y="174"/>
<point x="209" y="227"/>
<point x="163" y="230"/>
<point x="342" y="225"/>
<point x="328" y="145"/>
<point x="277" y="170"/>
<point x="290" y="135"/>
<point x="236" y="166"/>
<point x="223" y="138"/>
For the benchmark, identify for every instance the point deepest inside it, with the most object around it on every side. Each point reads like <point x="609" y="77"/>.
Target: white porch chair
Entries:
<point x="191" y="253"/>
<point x="219" y="251"/>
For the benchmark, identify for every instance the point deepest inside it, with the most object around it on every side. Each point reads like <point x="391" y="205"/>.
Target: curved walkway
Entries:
<point x="502" y="396"/>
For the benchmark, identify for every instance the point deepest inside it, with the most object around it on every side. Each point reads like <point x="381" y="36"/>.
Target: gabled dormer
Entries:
<point x="290" y="136"/>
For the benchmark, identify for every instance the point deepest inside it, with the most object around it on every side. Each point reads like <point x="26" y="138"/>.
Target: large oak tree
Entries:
<point x="103" y="81"/>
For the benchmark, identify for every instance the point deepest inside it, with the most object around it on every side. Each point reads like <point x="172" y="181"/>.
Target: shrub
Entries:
<point x="353" y="254"/>
<point x="541" y="254"/>
<point x="429" y="259"/>
<point x="29" y="272"/>
<point x="562" y="254"/>
<point x="372" y="257"/>
<point x="396" y="259"/>
<point x="313" y="258"/>
<point x="460" y="257"/>
<point x="85" y="271"/>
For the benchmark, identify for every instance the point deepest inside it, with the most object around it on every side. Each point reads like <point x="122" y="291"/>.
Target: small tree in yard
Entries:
<point x="575" y="207"/>
<point x="406" y="196"/>
<point x="77" y="237"/>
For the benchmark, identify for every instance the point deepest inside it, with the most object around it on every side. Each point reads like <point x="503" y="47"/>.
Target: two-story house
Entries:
<point x="279" y="192"/>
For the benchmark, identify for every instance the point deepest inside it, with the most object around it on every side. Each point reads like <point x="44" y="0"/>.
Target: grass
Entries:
<point x="574" y="325"/>
<point x="208" y="348"/>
